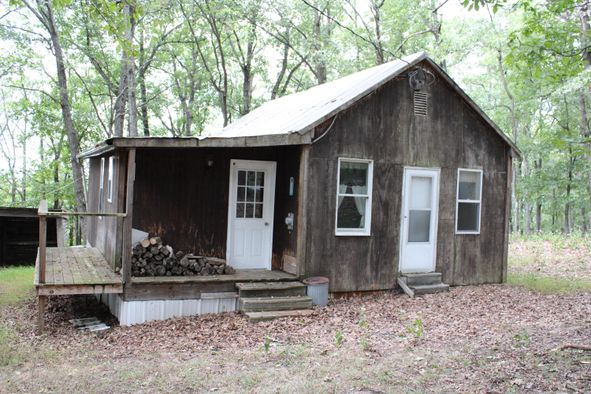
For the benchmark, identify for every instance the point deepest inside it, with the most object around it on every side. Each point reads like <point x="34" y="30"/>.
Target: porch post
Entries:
<point x="128" y="220"/>
<point x="302" y="219"/>
<point x="41" y="263"/>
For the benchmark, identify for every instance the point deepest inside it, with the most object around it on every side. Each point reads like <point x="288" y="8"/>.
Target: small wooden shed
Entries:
<point x="388" y="172"/>
<point x="19" y="235"/>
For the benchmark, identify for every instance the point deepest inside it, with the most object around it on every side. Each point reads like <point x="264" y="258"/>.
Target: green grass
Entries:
<point x="16" y="284"/>
<point x="575" y="240"/>
<point x="544" y="284"/>
<point x="8" y="356"/>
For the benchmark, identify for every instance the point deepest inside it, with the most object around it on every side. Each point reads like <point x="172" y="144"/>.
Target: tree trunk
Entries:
<point x="539" y="216"/>
<point x="121" y="100"/>
<point x="375" y="7"/>
<point x="567" y="207"/>
<point x="283" y="69"/>
<point x="72" y="135"/>
<point x="131" y="85"/>
<point x="143" y="90"/>
<point x="319" y="61"/>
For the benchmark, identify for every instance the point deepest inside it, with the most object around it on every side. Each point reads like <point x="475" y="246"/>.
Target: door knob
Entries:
<point x="266" y="223"/>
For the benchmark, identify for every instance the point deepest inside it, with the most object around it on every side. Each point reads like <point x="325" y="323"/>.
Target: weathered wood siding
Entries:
<point x="383" y="127"/>
<point x="179" y="198"/>
<point x="104" y="232"/>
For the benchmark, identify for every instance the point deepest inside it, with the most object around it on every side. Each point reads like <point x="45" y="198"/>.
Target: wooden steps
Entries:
<point x="263" y="301"/>
<point x="422" y="283"/>
<point x="265" y="316"/>
<point x="271" y="289"/>
<point x="266" y="304"/>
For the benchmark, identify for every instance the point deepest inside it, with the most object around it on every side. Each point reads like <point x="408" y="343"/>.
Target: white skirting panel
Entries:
<point x="137" y="312"/>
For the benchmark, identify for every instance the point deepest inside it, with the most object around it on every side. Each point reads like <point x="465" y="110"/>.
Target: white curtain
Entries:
<point x="359" y="203"/>
<point x="342" y="190"/>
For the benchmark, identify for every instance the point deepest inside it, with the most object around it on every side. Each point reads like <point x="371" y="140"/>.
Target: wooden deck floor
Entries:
<point x="77" y="270"/>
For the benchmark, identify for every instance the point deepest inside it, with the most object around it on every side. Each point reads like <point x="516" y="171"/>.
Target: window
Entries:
<point x="353" y="213"/>
<point x="469" y="198"/>
<point x="101" y="185"/>
<point x="110" y="180"/>
<point x="249" y="194"/>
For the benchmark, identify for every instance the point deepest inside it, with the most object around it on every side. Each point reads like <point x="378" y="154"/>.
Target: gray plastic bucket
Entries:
<point x="317" y="289"/>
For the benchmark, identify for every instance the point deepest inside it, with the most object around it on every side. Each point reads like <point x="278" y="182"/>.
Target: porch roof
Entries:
<point x="290" y="119"/>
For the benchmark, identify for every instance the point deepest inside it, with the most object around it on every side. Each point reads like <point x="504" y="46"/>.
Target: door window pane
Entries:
<point x="420" y="192"/>
<point x="250" y="194"/>
<point x="260" y="178"/>
<point x="249" y="210"/>
<point x="419" y="226"/>
<point x="259" y="194"/>
<point x="258" y="211"/>
<point x="353" y="177"/>
<point x="242" y="177"/>
<point x="240" y="210"/>
<point x="250" y="177"/>
<point x="241" y="194"/>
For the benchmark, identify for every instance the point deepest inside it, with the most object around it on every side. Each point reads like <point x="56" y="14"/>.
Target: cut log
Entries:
<point x="155" y="241"/>
<point x="145" y="242"/>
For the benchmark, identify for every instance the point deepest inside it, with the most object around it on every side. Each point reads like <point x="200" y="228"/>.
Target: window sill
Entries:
<point x="352" y="234"/>
<point x="467" y="232"/>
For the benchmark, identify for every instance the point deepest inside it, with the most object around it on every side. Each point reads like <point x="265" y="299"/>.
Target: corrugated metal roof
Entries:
<point x="299" y="112"/>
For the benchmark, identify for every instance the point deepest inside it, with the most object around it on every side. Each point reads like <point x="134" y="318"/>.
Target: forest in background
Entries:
<point x="73" y="73"/>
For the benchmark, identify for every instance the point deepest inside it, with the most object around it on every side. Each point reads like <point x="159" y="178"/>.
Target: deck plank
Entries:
<point x="77" y="270"/>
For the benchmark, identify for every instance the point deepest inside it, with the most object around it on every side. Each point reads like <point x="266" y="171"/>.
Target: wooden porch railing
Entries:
<point x="43" y="214"/>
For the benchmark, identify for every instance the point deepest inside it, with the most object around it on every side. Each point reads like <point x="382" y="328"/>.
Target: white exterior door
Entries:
<point x="418" y="240"/>
<point x="250" y="214"/>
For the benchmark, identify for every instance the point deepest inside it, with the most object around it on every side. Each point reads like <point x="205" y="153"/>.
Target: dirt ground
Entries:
<point x="490" y="338"/>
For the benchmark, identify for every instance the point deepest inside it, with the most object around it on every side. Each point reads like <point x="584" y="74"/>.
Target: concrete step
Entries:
<point x="430" y="289"/>
<point x="270" y="315"/>
<point x="265" y="304"/>
<point x="271" y="289"/>
<point x="419" y="279"/>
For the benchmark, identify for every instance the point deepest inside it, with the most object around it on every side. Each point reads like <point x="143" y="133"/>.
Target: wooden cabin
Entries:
<point x="390" y="173"/>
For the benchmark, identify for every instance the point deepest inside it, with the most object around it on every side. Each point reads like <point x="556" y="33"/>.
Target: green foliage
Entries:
<point x="200" y="63"/>
<point x="522" y="338"/>
<point x="267" y="343"/>
<point x="339" y="338"/>
<point x="416" y="328"/>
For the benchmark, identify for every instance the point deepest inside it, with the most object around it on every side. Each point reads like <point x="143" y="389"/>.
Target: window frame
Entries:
<point x="479" y="201"/>
<point x="366" y="230"/>
<point x="110" y="178"/>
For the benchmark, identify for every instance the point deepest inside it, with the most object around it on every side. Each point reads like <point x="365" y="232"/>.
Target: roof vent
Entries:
<point x="420" y="103"/>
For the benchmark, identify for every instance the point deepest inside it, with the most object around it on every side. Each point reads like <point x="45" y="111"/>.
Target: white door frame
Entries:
<point x="420" y="171"/>
<point x="270" y="169"/>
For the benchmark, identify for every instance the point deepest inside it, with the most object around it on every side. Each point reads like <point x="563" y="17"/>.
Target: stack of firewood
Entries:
<point x="151" y="257"/>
